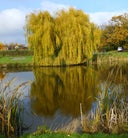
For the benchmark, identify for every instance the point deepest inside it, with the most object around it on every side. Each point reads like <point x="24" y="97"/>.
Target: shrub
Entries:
<point x="16" y="53"/>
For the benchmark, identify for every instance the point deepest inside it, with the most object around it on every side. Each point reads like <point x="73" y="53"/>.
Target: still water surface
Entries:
<point x="55" y="94"/>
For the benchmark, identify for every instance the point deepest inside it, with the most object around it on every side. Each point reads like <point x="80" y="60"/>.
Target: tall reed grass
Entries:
<point x="10" y="106"/>
<point x="111" y="112"/>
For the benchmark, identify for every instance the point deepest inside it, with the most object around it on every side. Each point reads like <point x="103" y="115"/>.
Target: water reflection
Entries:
<point x="2" y="75"/>
<point x="63" y="89"/>
<point x="115" y="77"/>
<point x="56" y="93"/>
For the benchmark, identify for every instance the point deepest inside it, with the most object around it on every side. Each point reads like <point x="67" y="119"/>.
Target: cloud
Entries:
<point x="12" y="21"/>
<point x="53" y="7"/>
<point x="11" y="25"/>
<point x="101" y="18"/>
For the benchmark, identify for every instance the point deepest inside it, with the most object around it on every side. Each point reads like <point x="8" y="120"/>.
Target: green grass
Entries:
<point x="20" y="59"/>
<point x="23" y="60"/>
<point x="2" y="136"/>
<point x="62" y="135"/>
<point x="114" y="54"/>
<point x="43" y="132"/>
<point x="15" y="61"/>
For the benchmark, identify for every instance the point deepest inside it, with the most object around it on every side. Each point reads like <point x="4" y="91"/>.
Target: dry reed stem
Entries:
<point x="9" y="99"/>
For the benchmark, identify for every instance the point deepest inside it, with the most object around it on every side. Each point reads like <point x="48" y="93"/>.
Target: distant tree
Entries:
<point x="116" y="33"/>
<point x="1" y="46"/>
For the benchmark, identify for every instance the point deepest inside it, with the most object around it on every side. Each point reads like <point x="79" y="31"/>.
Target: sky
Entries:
<point x="13" y="13"/>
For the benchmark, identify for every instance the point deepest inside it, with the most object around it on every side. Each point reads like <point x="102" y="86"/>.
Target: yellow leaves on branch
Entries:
<point x="67" y="38"/>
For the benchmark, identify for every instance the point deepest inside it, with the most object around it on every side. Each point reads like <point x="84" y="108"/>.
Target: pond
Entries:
<point x="53" y="99"/>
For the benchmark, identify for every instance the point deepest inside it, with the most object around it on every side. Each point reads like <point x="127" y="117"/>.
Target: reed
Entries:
<point x="111" y="112"/>
<point x="10" y="104"/>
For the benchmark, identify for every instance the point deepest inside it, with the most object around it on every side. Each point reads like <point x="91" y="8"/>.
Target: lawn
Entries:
<point x="17" y="59"/>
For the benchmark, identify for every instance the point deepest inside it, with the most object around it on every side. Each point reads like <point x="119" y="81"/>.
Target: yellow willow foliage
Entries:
<point x="68" y="38"/>
<point x="41" y="37"/>
<point x="93" y="40"/>
<point x="73" y="27"/>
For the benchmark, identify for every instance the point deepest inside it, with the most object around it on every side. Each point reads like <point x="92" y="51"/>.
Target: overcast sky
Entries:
<point x="13" y="12"/>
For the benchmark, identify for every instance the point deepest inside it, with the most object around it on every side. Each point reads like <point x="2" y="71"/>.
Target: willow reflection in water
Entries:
<point x="63" y="89"/>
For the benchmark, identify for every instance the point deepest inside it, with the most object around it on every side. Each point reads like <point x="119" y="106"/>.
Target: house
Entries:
<point x="17" y="47"/>
<point x="21" y="47"/>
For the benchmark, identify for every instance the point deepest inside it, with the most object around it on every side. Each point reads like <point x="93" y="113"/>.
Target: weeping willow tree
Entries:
<point x="67" y="39"/>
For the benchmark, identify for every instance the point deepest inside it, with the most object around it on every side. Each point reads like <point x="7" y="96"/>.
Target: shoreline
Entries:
<point x="112" y="57"/>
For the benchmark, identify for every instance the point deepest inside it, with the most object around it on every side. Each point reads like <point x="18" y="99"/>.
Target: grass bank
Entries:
<point x="15" y="61"/>
<point x="112" y="57"/>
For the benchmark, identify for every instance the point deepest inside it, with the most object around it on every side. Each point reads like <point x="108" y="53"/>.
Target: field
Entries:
<point x="14" y="62"/>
